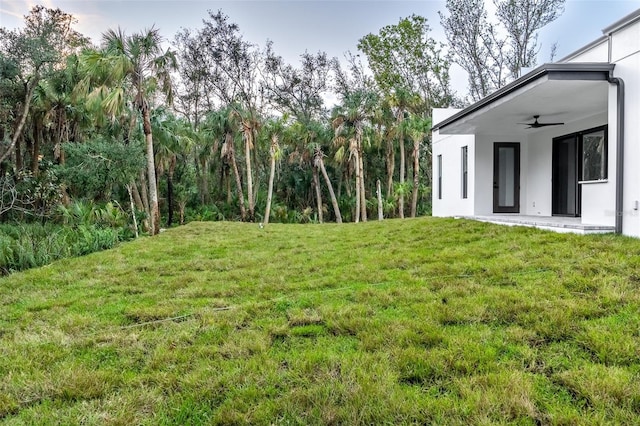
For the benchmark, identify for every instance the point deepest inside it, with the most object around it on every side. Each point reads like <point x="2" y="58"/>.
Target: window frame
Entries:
<point x="605" y="154"/>
<point x="440" y="177"/>
<point x="465" y="171"/>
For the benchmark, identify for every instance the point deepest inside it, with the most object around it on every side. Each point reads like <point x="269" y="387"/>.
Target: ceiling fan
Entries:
<point x="536" y="124"/>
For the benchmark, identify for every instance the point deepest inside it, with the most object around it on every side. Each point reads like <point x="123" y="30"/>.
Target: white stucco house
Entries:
<point x="577" y="172"/>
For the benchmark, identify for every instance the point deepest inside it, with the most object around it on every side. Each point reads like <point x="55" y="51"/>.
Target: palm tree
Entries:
<point x="223" y="124"/>
<point x="273" y="132"/>
<point x="418" y="129"/>
<point x="349" y="124"/>
<point x="402" y="101"/>
<point x="173" y="140"/>
<point x="250" y="126"/>
<point x="133" y="67"/>
<point x="311" y="136"/>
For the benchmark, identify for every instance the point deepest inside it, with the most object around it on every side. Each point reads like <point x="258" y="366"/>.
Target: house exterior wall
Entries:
<point x="620" y="46"/>
<point x="450" y="147"/>
<point x="596" y="53"/>
<point x="628" y="69"/>
<point x="625" y="42"/>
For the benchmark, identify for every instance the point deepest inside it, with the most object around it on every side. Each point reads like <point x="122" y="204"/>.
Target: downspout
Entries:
<point x="619" y="149"/>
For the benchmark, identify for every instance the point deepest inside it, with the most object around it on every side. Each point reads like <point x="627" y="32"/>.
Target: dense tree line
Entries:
<point x="215" y="127"/>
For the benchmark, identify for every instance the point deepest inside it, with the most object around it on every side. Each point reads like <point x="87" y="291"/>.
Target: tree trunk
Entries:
<point x="391" y="166"/>
<point x="133" y="210"/>
<point x="379" y="193"/>
<point x="356" y="161"/>
<point x="204" y="179"/>
<point x="248" y="142"/>
<point x="29" y="87"/>
<point x="416" y="177"/>
<point x="136" y="196"/>
<point x="18" y="149"/>
<point x="182" y="205"/>
<point x="316" y="184"/>
<point x="363" y="194"/>
<point x="169" y="199"/>
<point x="272" y="172"/>
<point x="228" y="184"/>
<point x="402" y="174"/>
<point x="154" y="217"/>
<point x="334" y="201"/>
<point x="58" y="152"/>
<point x="35" y="153"/>
<point x="145" y="200"/>
<point x="232" y="157"/>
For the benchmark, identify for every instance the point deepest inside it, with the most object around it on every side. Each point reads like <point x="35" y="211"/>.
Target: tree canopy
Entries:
<point x="216" y="127"/>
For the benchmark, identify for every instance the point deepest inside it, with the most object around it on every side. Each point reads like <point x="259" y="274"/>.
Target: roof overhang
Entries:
<point x="557" y="92"/>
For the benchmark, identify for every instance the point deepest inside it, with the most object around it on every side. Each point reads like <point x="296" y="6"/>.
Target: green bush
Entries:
<point x="27" y="246"/>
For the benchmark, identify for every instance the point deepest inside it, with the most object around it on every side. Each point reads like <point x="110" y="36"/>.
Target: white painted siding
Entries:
<point x="596" y="53"/>
<point x="625" y="42"/>
<point x="450" y="147"/>
<point x="628" y="70"/>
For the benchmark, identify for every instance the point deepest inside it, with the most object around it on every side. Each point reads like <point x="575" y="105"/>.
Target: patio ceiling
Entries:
<point x="556" y="92"/>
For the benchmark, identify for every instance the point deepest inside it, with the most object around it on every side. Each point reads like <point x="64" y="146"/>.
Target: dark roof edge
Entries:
<point x="622" y="22"/>
<point x="583" y="49"/>
<point x="571" y="67"/>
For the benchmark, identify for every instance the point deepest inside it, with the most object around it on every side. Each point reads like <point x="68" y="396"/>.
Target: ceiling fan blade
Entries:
<point x="550" y="124"/>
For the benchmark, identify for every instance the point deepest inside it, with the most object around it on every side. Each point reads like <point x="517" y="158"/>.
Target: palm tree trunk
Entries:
<point x="58" y="152"/>
<point x="232" y="157"/>
<point x="145" y="200"/>
<point x="316" y="184"/>
<point x="358" y="186"/>
<point x="334" y="201"/>
<point x="391" y="166"/>
<point x="169" y="199"/>
<point x="248" y="142"/>
<point x="272" y="172"/>
<point x="363" y="203"/>
<point x="151" y="171"/>
<point x="228" y="184"/>
<point x="379" y="194"/>
<point x="402" y="174"/>
<point x="416" y="177"/>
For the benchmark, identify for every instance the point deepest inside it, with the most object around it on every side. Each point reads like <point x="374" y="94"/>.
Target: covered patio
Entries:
<point x="543" y="151"/>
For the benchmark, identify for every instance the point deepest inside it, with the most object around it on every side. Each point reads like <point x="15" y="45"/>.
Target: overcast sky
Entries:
<point x="296" y="26"/>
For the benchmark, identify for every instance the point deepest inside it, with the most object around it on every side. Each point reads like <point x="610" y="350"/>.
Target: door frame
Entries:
<point x="557" y="168"/>
<point x="497" y="208"/>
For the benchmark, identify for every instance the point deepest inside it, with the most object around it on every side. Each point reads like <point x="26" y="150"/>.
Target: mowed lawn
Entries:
<point x="422" y="321"/>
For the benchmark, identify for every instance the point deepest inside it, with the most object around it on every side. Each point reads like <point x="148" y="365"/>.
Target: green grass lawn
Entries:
<point x="399" y="322"/>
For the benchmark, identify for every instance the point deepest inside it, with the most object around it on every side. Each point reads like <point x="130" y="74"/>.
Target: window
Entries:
<point x="465" y="169"/>
<point x="594" y="155"/>
<point x="439" y="177"/>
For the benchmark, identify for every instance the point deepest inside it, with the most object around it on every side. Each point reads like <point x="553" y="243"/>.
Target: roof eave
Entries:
<point x="622" y="22"/>
<point x="557" y="71"/>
